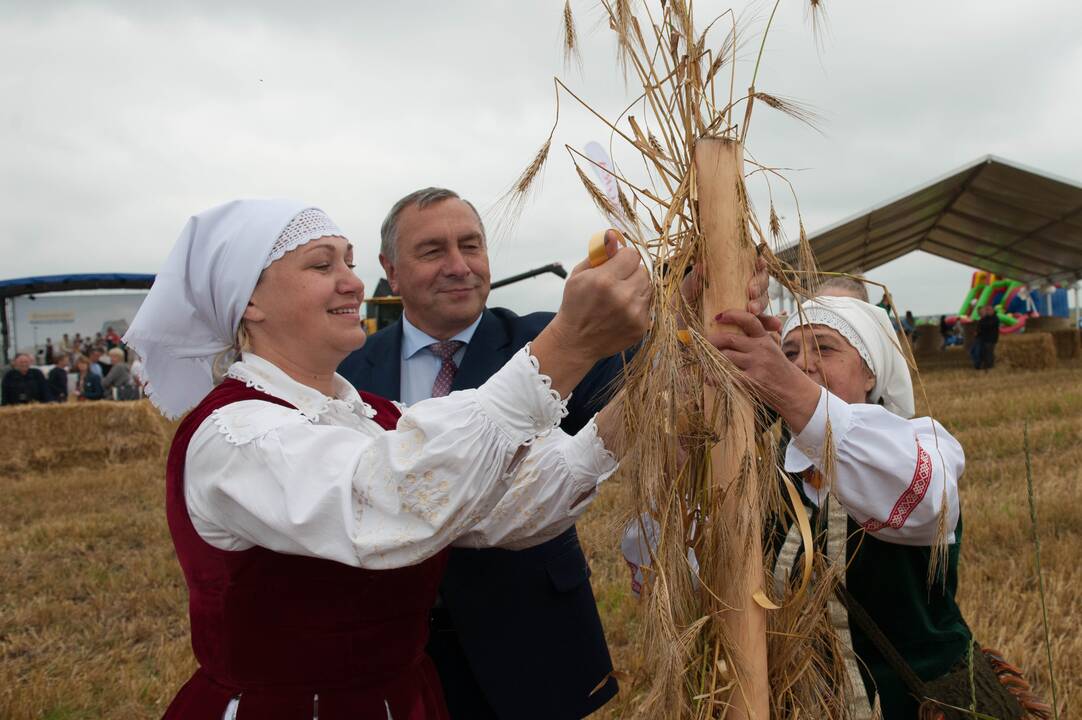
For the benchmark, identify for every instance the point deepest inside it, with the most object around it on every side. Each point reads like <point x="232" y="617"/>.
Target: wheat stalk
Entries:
<point x="571" y="37"/>
<point x="669" y="428"/>
<point x="1037" y="563"/>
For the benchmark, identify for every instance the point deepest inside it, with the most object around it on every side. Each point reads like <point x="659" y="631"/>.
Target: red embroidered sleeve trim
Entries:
<point x="922" y="478"/>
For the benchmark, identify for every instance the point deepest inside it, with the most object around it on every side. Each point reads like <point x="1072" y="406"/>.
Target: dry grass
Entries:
<point x="93" y="609"/>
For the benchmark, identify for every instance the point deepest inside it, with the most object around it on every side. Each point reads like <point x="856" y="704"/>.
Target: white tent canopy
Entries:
<point x="993" y="214"/>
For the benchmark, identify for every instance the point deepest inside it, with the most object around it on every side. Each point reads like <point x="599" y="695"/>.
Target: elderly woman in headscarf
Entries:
<point x="883" y="487"/>
<point x="311" y="520"/>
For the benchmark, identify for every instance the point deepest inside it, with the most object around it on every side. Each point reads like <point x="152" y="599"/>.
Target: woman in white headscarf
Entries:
<point x="310" y="521"/>
<point x="839" y="381"/>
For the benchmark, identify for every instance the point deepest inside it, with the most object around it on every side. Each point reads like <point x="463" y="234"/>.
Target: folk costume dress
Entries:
<point x="311" y="530"/>
<point x="893" y="477"/>
<point x="891" y="505"/>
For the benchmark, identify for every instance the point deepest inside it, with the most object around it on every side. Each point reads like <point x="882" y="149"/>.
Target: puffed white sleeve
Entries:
<point x="268" y="477"/>
<point x="895" y="477"/>
<point x="550" y="489"/>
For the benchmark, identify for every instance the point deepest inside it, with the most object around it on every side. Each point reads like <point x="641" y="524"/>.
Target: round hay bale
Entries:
<point x="78" y="434"/>
<point x="1029" y="351"/>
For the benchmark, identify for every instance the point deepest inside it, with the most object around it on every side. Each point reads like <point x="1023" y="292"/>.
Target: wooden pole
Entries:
<point x="728" y="264"/>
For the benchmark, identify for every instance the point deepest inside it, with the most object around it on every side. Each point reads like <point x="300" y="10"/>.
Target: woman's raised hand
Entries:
<point x="757" y="354"/>
<point x="604" y="310"/>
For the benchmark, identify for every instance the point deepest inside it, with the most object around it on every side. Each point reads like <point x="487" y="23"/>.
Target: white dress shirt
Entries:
<point x="419" y="365"/>
<point x="892" y="475"/>
<point x="478" y="468"/>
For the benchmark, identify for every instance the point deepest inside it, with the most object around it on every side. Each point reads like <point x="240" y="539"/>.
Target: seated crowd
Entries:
<point x="80" y="370"/>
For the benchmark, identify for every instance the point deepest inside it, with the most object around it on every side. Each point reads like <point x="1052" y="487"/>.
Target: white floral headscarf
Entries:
<point x="193" y="310"/>
<point x="868" y="329"/>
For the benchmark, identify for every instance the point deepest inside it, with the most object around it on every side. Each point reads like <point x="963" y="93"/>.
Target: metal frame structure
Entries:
<point x="992" y="214"/>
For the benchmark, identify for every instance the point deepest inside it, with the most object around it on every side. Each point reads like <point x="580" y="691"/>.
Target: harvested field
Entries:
<point x="92" y="606"/>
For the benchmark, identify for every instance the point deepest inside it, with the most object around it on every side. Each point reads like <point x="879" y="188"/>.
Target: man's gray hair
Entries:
<point x="388" y="232"/>
<point x="847" y="285"/>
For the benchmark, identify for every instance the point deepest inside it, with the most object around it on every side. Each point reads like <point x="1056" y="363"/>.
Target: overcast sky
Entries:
<point x="120" y="119"/>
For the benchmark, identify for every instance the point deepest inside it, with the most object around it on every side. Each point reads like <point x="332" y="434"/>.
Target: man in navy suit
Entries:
<point x="517" y="634"/>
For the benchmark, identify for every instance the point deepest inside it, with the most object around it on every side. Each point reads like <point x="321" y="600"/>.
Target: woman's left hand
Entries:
<point x="758" y="355"/>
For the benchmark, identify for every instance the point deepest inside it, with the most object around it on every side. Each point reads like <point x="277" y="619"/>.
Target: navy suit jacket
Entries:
<point x="527" y="620"/>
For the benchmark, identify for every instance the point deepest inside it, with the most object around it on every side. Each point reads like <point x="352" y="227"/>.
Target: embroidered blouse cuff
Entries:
<point x="521" y="400"/>
<point x="587" y="458"/>
<point x="811" y="439"/>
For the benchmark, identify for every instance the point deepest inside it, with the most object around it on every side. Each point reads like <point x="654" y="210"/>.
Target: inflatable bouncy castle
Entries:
<point x="1013" y="301"/>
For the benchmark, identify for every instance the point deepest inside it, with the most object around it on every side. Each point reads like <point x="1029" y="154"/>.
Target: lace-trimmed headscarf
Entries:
<point x="867" y="328"/>
<point x="191" y="315"/>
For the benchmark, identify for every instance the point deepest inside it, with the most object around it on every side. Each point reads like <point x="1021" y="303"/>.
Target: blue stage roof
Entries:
<point x="85" y="281"/>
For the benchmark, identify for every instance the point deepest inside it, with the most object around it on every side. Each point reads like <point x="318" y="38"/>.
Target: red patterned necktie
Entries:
<point x="445" y="351"/>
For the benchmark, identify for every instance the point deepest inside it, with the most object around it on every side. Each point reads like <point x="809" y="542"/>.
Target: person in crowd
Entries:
<point x="839" y="374"/>
<point x="311" y="521"/>
<point x="435" y="256"/>
<point x="50" y="352"/>
<point x="98" y="366"/>
<point x="58" y="379"/>
<point x="909" y="324"/>
<point x="65" y="344"/>
<point x="112" y="339"/>
<point x="946" y="331"/>
<point x="23" y="383"/>
<point x="844" y="286"/>
<point x="984" y="347"/>
<point x="87" y="383"/>
<point x="137" y="372"/>
<point x="118" y="380"/>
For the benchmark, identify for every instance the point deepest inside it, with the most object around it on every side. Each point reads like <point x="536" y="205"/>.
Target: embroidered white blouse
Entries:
<point x="892" y="475"/>
<point x="478" y="468"/>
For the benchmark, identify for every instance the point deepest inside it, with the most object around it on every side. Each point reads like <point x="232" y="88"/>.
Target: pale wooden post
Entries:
<point x="728" y="264"/>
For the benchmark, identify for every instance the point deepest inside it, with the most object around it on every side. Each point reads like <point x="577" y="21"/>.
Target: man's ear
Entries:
<point x="388" y="270"/>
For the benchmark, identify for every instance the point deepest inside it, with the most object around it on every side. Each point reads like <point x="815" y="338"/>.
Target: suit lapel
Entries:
<point x="386" y="365"/>
<point x="486" y="353"/>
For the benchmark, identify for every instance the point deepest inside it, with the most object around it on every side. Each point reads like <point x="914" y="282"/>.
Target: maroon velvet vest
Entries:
<point x="299" y="637"/>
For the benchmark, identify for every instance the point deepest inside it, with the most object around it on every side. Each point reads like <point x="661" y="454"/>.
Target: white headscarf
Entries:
<point x="195" y="306"/>
<point x="867" y="328"/>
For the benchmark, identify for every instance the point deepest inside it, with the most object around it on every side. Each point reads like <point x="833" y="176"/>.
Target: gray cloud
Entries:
<point x="120" y="119"/>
